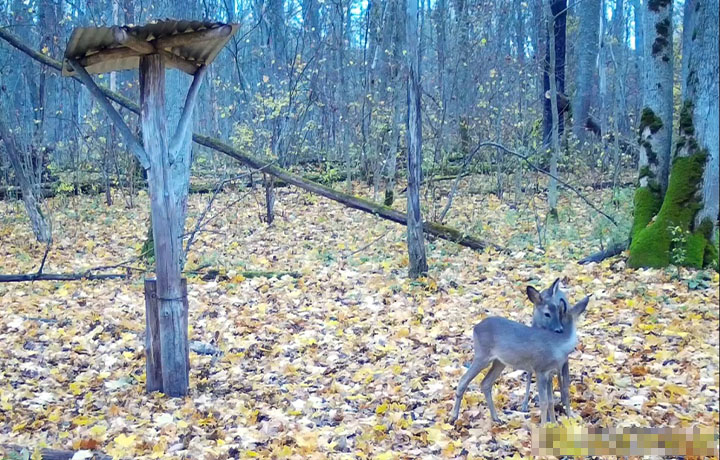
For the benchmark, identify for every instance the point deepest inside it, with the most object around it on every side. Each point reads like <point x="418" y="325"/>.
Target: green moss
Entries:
<point x="695" y="250"/>
<point x="657" y="5"/>
<point x="686" y="123"/>
<point x="389" y="197"/>
<point x="651" y="245"/>
<point x="662" y="37"/>
<point x="710" y="258"/>
<point x="647" y="204"/>
<point x="147" y="251"/>
<point x="645" y="171"/>
<point x="705" y="228"/>
<point x="648" y="119"/>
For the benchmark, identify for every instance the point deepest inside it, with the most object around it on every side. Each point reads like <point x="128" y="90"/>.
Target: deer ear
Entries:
<point x="533" y="295"/>
<point x="555" y="287"/>
<point x="579" y="308"/>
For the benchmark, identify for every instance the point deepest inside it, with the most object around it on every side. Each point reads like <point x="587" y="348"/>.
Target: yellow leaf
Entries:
<point x="381" y="409"/>
<point x="675" y="389"/>
<point x="389" y="455"/>
<point x="124" y="441"/>
<point x="307" y="441"/>
<point x="98" y="431"/>
<point x="81" y="420"/>
<point x="54" y="416"/>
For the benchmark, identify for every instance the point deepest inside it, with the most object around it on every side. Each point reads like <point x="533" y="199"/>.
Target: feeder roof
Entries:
<point x="185" y="44"/>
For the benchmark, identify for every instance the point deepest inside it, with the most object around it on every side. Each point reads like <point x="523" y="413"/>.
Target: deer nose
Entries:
<point x="559" y="330"/>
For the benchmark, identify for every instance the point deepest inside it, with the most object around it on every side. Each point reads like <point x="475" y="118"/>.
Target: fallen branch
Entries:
<point x="213" y="273"/>
<point x="60" y="277"/>
<point x="13" y="451"/>
<point x="612" y="251"/>
<point x="440" y="231"/>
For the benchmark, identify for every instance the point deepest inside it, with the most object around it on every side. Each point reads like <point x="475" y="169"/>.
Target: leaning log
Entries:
<point x="437" y="230"/>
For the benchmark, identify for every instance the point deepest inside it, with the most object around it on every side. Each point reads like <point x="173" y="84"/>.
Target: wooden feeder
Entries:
<point x="189" y="46"/>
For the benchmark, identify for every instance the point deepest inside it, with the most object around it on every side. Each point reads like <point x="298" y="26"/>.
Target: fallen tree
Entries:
<point x="437" y="230"/>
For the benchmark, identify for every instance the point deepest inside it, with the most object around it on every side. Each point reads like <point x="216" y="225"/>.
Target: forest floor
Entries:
<point x="351" y="359"/>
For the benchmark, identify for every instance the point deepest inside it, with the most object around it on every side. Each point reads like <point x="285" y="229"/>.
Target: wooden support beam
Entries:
<point x="133" y="144"/>
<point x="167" y="225"/>
<point x="107" y="55"/>
<point x="186" y="118"/>
<point x="184" y="39"/>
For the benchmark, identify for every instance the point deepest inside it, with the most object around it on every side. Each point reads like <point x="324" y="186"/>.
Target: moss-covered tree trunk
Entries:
<point x="680" y="234"/>
<point x="655" y="125"/>
<point x="702" y="87"/>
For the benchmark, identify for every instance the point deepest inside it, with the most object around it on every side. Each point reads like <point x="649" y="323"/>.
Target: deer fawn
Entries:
<point x="502" y="342"/>
<point x="542" y="318"/>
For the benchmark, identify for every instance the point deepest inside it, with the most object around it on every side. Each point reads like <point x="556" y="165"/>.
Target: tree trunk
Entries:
<point x="559" y="14"/>
<point x="587" y="51"/>
<point x="703" y="89"/>
<point x="555" y="134"/>
<point x="416" y="239"/>
<point x="167" y="223"/>
<point x="656" y="119"/>
<point x="683" y="229"/>
<point x="40" y="226"/>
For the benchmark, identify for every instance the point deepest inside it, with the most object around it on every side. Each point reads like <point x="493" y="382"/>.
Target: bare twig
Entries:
<point x="201" y="222"/>
<point x="368" y="245"/>
<point x="47" y="250"/>
<point x="560" y="181"/>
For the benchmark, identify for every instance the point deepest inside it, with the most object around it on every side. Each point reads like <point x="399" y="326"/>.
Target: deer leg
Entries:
<point x="528" y="382"/>
<point x="551" y="400"/>
<point x="479" y="363"/>
<point x="564" y="379"/>
<point x="542" y="383"/>
<point x="486" y="386"/>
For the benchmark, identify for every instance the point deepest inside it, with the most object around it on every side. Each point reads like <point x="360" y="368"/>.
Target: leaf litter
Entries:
<point x="351" y="359"/>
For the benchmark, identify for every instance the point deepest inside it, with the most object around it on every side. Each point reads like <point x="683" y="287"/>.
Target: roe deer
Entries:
<point x="542" y="318"/>
<point x="502" y="342"/>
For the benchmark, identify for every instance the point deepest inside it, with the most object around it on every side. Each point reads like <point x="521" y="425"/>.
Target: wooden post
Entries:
<point x="153" y="360"/>
<point x="167" y="222"/>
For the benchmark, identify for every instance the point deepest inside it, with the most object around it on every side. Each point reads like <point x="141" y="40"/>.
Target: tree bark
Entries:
<point x="559" y="14"/>
<point x="555" y="127"/>
<point x="416" y="239"/>
<point x="587" y="51"/>
<point x="702" y="84"/>
<point x="655" y="125"/>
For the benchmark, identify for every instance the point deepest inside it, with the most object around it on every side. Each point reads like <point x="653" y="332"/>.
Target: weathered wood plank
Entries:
<point x="153" y="359"/>
<point x="167" y="220"/>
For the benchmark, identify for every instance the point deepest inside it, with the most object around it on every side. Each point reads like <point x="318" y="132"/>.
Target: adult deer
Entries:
<point x="543" y="352"/>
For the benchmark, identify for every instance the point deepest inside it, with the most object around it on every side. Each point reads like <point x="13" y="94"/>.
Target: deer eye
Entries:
<point x="547" y="315"/>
